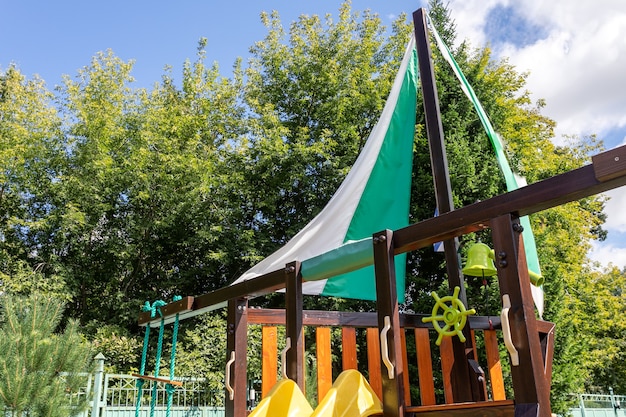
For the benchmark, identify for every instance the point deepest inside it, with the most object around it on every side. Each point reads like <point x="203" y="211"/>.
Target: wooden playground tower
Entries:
<point x="467" y="389"/>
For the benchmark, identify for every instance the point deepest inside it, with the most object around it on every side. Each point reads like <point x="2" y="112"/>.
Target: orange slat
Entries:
<point x="270" y="359"/>
<point x="425" y="367"/>
<point x="373" y="361"/>
<point x="493" y="363"/>
<point x="324" y="365"/>
<point x="447" y="361"/>
<point x="348" y="348"/>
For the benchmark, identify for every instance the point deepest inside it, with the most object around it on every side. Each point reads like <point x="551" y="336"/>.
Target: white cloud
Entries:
<point x="614" y="209"/>
<point x="608" y="254"/>
<point x="579" y="68"/>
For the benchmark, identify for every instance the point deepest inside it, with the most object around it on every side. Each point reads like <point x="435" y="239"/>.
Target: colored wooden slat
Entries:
<point x="324" y="365"/>
<point x="447" y="361"/>
<point x="405" y="371"/>
<point x="425" y="367"/>
<point x="270" y="359"/>
<point x="494" y="366"/>
<point x="348" y="348"/>
<point x="484" y="409"/>
<point x="373" y="360"/>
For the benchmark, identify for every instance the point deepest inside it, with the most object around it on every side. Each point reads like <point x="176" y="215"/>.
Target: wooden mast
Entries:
<point x="463" y="352"/>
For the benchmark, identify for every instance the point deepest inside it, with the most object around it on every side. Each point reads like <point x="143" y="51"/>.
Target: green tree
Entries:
<point x="30" y="163"/>
<point x="146" y="197"/>
<point x="39" y="364"/>
<point x="314" y="93"/>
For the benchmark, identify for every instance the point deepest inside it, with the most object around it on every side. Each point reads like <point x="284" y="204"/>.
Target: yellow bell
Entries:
<point x="480" y="261"/>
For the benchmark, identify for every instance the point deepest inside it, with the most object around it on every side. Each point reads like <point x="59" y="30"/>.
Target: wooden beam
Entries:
<point x="353" y="319"/>
<point x="443" y="194"/>
<point x="529" y="381"/>
<point x="176" y="307"/>
<point x="389" y="320"/>
<point x="162" y="380"/>
<point x="255" y="287"/>
<point x="554" y="191"/>
<point x="294" y="326"/>
<point x="237" y="341"/>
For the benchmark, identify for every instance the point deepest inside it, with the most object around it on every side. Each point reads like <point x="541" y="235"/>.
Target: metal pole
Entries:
<point x="97" y="388"/>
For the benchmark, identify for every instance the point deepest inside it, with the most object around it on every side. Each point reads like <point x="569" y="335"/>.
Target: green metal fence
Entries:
<point x="599" y="405"/>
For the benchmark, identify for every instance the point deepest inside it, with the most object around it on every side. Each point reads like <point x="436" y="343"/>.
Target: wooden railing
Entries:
<point x="322" y="323"/>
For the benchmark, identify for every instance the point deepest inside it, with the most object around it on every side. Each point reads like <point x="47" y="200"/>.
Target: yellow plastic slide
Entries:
<point x="284" y="400"/>
<point x="350" y="396"/>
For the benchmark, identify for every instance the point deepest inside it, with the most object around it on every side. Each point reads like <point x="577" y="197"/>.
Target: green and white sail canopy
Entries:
<point x="335" y="248"/>
<point x="374" y="196"/>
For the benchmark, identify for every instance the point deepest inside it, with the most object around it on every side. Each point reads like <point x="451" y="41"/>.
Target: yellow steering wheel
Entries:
<point x="454" y="316"/>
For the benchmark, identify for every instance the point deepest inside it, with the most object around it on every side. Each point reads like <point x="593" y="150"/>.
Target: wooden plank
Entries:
<point x="529" y="382"/>
<point x="405" y="371"/>
<point x="373" y="360"/>
<point x="162" y="380"/>
<point x="175" y="307"/>
<point x="294" y="327"/>
<point x="267" y="316"/>
<point x="610" y="164"/>
<point x="447" y="361"/>
<point x="269" y="363"/>
<point x="570" y="186"/>
<point x="348" y="348"/>
<point x="493" y="364"/>
<point x="425" y="367"/>
<point x="237" y="341"/>
<point x="472" y="409"/>
<point x="389" y="321"/>
<point x="324" y="362"/>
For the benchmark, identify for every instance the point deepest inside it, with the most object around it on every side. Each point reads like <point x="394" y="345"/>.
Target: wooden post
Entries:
<point x="389" y="323"/>
<point x="530" y="385"/>
<point x="294" y="326"/>
<point x="464" y="385"/>
<point x="237" y="342"/>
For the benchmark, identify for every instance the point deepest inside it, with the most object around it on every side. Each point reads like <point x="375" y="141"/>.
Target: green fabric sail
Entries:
<point x="335" y="247"/>
<point x="513" y="181"/>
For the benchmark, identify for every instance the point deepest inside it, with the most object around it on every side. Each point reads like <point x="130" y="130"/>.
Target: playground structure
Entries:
<point x="467" y="388"/>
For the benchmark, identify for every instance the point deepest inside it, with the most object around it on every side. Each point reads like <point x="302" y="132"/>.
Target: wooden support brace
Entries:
<point x="163" y="380"/>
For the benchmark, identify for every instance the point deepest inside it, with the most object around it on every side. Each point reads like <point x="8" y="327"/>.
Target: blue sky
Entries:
<point x="574" y="51"/>
<point x="51" y="38"/>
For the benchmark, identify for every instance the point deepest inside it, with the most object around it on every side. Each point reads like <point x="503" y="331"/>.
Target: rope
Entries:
<point x="157" y="364"/>
<point x="154" y="309"/>
<point x="169" y="387"/>
<point x="156" y="306"/>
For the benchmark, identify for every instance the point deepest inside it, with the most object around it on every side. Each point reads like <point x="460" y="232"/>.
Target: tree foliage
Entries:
<point x="39" y="364"/>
